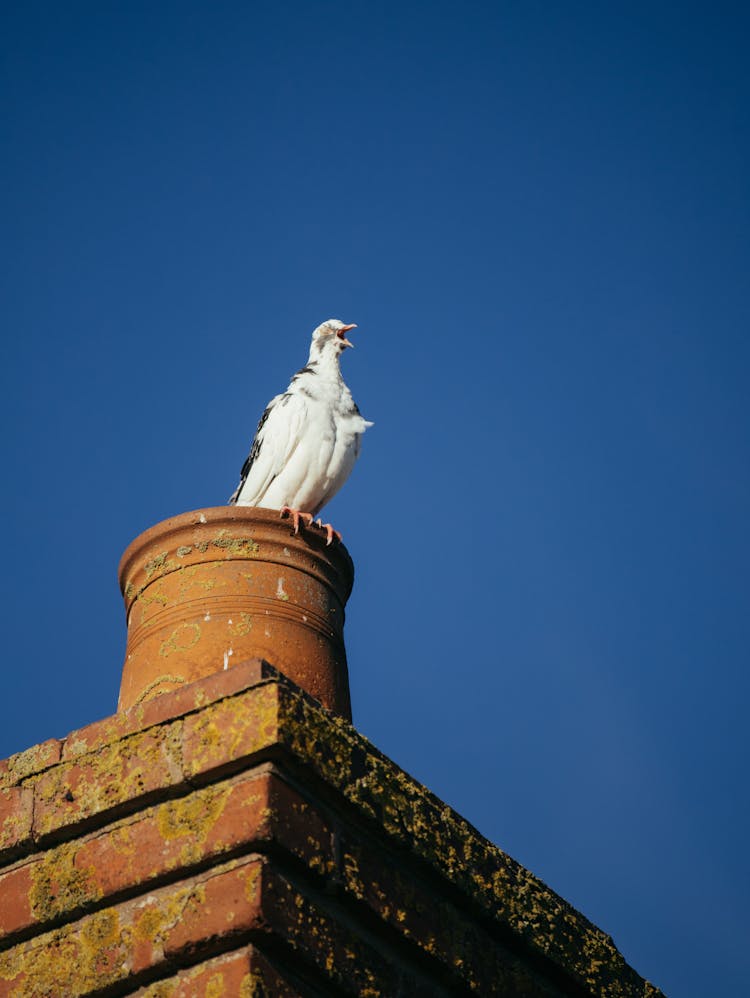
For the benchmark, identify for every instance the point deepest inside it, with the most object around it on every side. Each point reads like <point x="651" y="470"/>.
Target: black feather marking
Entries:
<point x="307" y="369"/>
<point x="250" y="459"/>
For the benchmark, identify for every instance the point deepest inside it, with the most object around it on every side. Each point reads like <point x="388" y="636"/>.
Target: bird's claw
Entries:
<point x="330" y="532"/>
<point x="296" y="516"/>
<point x="309" y="520"/>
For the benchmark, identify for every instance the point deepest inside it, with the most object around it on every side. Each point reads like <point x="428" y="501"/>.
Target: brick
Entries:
<point x="15" y="890"/>
<point x="335" y="946"/>
<point x="221" y="905"/>
<point x="135" y="801"/>
<point x="256" y="897"/>
<point x="112" y="945"/>
<point x="246" y="812"/>
<point x="245" y="973"/>
<point x="228" y="682"/>
<point x="16" y="816"/>
<point x="267" y="980"/>
<point x="436" y="926"/>
<point x="422" y="827"/>
<point x="115" y="778"/>
<point x="65" y="962"/>
<point x="167" y="706"/>
<point x="228" y="734"/>
<point x="211" y="822"/>
<point x="31" y="760"/>
<point x="177" y="834"/>
<point x="300" y="828"/>
<point x="241" y="901"/>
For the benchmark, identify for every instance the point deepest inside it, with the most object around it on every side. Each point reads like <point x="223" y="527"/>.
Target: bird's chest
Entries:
<point x="333" y="431"/>
<point x="334" y="435"/>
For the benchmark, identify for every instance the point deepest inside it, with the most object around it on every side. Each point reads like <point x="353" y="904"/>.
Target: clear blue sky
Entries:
<point x="538" y="216"/>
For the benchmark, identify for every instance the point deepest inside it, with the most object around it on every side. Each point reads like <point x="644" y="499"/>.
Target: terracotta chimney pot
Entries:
<point x="207" y="589"/>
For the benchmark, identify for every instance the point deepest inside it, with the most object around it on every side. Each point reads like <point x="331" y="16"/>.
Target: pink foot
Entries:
<point x="296" y="515"/>
<point x="330" y="532"/>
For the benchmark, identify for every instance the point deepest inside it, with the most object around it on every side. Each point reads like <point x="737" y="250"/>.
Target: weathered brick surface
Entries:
<point x="249" y="811"/>
<point x="192" y="697"/>
<point x="339" y="950"/>
<point x="233" y="731"/>
<point x="117" y="943"/>
<point x="16" y="815"/>
<point x="16" y="911"/>
<point x="129" y="818"/>
<point x="31" y="760"/>
<point x="440" y="929"/>
<point x="216" y="909"/>
<point x="412" y="818"/>
<point x="124" y="773"/>
<point x="243" y="974"/>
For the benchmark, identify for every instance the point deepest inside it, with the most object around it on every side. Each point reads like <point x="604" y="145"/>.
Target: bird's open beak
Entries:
<point x="341" y="334"/>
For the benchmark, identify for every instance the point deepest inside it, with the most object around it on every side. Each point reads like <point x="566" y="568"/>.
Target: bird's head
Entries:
<point x="331" y="335"/>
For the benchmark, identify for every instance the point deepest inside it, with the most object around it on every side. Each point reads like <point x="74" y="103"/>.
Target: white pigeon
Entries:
<point x="307" y="439"/>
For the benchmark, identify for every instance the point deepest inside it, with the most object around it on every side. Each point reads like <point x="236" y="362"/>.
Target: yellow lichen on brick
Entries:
<point x="32" y="760"/>
<point x="58" y="886"/>
<point x="155" y="921"/>
<point x="218" y="985"/>
<point x="352" y="876"/>
<point x="234" y="728"/>
<point x="215" y="986"/>
<point x="409" y="814"/>
<point x="162" y="989"/>
<point x="253" y="875"/>
<point x="66" y="962"/>
<point x="15" y="826"/>
<point x="192" y="818"/>
<point x="101" y="779"/>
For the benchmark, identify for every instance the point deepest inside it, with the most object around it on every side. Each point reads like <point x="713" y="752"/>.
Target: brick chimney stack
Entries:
<point x="229" y="833"/>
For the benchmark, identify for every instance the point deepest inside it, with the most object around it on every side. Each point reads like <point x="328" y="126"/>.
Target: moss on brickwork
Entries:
<point x="108" y="730"/>
<point x="410" y="814"/>
<point x="58" y="886"/>
<point x="217" y="986"/>
<point x="231" y="729"/>
<point x="437" y="926"/>
<point x="109" y="774"/>
<point x="32" y="760"/>
<point x="96" y="951"/>
<point x="16" y="815"/>
<point x="344" y="958"/>
<point x="62" y="963"/>
<point x="120" y="772"/>
<point x="191" y="819"/>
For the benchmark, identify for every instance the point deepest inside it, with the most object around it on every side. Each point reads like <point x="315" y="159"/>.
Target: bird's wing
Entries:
<point x="278" y="434"/>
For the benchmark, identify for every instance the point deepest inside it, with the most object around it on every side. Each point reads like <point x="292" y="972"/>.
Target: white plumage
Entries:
<point x="308" y="438"/>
